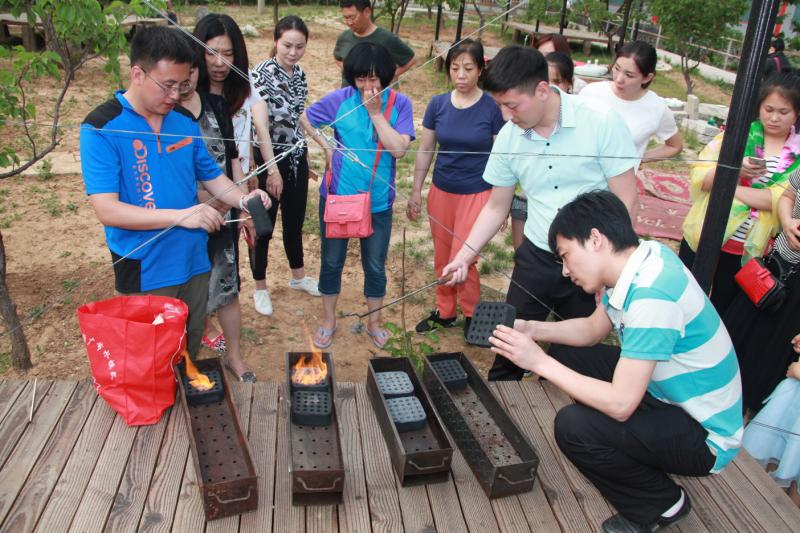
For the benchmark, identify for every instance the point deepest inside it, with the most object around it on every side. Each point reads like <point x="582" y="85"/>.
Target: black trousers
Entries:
<point x="629" y="461"/>
<point x="723" y="286"/>
<point x="538" y="272"/>
<point x="293" y="212"/>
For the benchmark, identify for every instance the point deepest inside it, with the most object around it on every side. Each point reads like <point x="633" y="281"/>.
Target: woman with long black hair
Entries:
<point x="282" y="90"/>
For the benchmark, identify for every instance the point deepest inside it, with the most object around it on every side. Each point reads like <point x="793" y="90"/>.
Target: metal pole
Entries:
<point x="563" y="22"/>
<point x="460" y="21"/>
<point x="505" y="18"/>
<point x="438" y="21"/>
<point x="748" y="80"/>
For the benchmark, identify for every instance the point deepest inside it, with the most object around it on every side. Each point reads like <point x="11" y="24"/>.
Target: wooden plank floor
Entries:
<point x="78" y="467"/>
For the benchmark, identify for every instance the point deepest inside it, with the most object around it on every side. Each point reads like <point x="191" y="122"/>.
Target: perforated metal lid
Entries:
<point x="486" y="317"/>
<point x="405" y="410"/>
<point x="197" y="396"/>
<point x="311" y="402"/>
<point x="394" y="384"/>
<point x="450" y="372"/>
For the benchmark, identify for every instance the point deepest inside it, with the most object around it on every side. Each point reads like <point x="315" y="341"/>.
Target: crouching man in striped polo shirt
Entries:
<point x="667" y="401"/>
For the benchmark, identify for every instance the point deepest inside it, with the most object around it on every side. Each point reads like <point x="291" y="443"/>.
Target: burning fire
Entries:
<point x="196" y="379"/>
<point x="310" y="368"/>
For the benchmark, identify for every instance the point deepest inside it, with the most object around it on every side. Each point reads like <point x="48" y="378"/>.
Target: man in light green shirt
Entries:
<point x="555" y="146"/>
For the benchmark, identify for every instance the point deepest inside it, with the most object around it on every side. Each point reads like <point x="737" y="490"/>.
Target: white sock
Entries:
<point x="672" y="511"/>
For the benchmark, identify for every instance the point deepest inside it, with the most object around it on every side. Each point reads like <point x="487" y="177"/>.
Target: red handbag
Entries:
<point x="763" y="287"/>
<point x="350" y="215"/>
<point x="132" y="343"/>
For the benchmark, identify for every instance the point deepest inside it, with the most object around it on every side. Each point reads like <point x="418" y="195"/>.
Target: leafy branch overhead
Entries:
<point x="692" y="29"/>
<point x="75" y="32"/>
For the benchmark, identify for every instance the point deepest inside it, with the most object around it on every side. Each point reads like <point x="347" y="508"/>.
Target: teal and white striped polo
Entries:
<point x="662" y="314"/>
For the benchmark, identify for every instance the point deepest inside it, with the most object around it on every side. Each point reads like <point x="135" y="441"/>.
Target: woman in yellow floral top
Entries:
<point x="771" y="155"/>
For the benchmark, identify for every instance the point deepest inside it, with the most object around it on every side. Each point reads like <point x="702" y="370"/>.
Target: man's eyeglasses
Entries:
<point x="170" y="88"/>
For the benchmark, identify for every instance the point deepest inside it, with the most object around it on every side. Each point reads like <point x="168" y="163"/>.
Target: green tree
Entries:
<point x="691" y="27"/>
<point x="75" y="31"/>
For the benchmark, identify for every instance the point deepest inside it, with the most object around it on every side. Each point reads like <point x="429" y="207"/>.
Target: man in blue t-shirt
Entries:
<point x="668" y="400"/>
<point x="141" y="158"/>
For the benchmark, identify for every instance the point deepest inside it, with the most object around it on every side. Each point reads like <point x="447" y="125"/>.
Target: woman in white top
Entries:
<point x="645" y="113"/>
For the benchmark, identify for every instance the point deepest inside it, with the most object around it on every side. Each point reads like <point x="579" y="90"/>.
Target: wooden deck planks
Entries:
<point x="131" y="497"/>
<point x="536" y="508"/>
<point x="83" y="469"/>
<point x="769" y="490"/>
<point x="101" y="491"/>
<point x="16" y="420"/>
<point x="159" y="510"/>
<point x="31" y="442"/>
<point x="444" y="506"/>
<point x="354" y="511"/>
<point x="737" y="483"/>
<point x="288" y="517"/>
<point x="594" y="505"/>
<point x="261" y="434"/>
<point x="10" y="389"/>
<point x="475" y="505"/>
<point x="189" y="513"/>
<point x="562" y="500"/>
<point x="384" y="505"/>
<point x="33" y="496"/>
<point x="69" y="489"/>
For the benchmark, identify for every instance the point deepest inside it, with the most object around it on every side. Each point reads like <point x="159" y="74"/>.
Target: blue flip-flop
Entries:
<point x="379" y="338"/>
<point x="325" y="334"/>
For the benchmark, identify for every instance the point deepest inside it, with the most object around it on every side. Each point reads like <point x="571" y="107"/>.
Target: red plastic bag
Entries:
<point x="131" y="357"/>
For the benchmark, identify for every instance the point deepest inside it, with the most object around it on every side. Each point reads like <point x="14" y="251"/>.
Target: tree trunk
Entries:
<point x="685" y="70"/>
<point x="20" y="355"/>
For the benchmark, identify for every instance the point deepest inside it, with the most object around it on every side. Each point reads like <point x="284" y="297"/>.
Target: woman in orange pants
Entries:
<point x="464" y="123"/>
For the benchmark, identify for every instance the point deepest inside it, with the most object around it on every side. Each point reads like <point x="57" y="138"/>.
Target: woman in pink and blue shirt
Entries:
<point x="356" y="114"/>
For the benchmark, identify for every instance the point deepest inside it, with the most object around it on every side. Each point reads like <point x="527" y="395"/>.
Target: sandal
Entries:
<point x="379" y="337"/>
<point x="325" y="337"/>
<point x="216" y="344"/>
<point x="247" y="376"/>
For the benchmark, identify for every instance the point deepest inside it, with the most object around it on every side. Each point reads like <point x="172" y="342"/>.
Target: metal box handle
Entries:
<point x="526" y="480"/>
<point x="231" y="500"/>
<point x="318" y="489"/>
<point x="432" y="467"/>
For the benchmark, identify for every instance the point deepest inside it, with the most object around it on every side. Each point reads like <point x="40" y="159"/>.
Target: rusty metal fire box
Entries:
<point x="500" y="456"/>
<point x="221" y="455"/>
<point x="317" y="466"/>
<point x="420" y="456"/>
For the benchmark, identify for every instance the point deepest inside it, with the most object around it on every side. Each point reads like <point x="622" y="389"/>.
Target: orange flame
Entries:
<point x="310" y="368"/>
<point x="196" y="379"/>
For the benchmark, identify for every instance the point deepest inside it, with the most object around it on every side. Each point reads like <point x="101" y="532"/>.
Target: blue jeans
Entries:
<point x="373" y="256"/>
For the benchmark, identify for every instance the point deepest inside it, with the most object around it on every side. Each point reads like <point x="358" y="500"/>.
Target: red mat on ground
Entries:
<point x="660" y="218"/>
<point x="664" y="185"/>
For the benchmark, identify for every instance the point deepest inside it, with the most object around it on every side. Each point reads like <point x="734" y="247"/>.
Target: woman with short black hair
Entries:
<point x="373" y="125"/>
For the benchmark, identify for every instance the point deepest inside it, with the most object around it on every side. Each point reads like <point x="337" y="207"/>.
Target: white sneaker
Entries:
<point x="262" y="301"/>
<point x="306" y="284"/>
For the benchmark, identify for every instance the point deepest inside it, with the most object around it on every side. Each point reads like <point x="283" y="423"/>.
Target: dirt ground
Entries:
<point x="58" y="260"/>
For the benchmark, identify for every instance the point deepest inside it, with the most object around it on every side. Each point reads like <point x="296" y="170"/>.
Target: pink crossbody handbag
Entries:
<point x="349" y="216"/>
